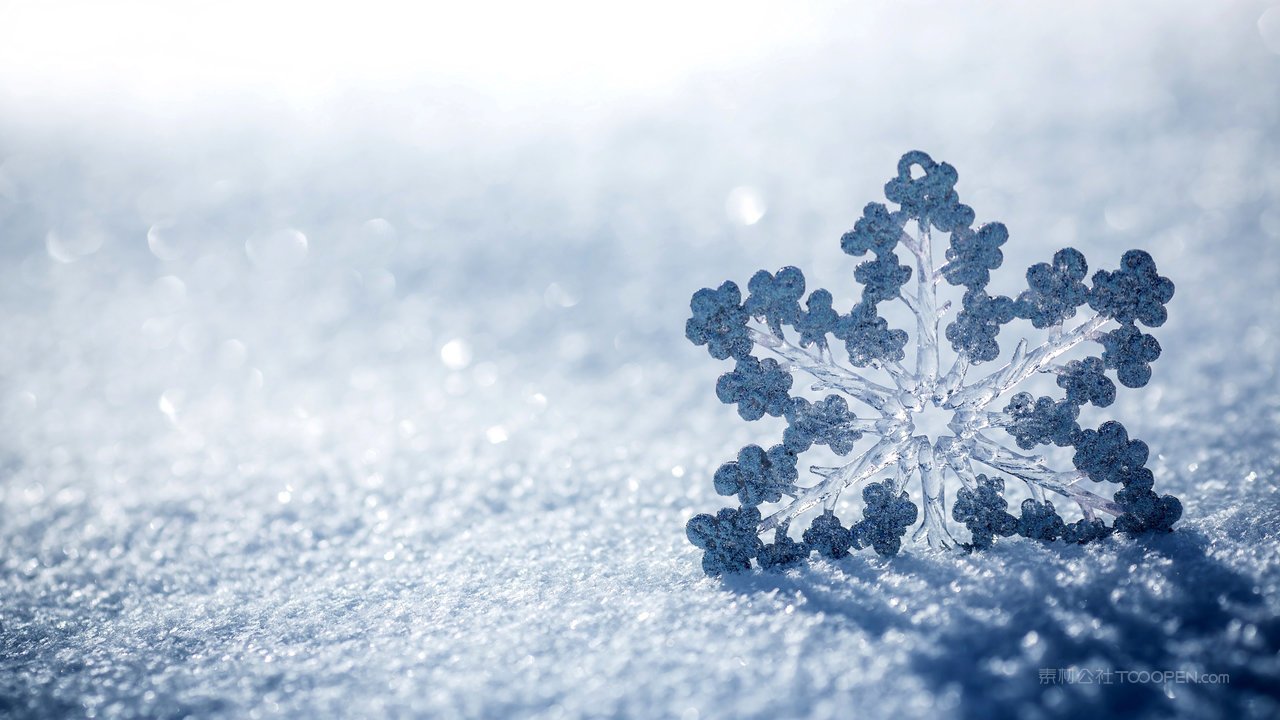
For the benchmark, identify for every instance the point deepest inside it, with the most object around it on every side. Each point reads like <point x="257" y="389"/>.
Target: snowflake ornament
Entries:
<point x="880" y="416"/>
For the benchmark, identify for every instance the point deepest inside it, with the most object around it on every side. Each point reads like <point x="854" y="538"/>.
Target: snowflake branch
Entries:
<point x="1032" y="469"/>
<point x="867" y="427"/>
<point x="954" y="378"/>
<point x="831" y="375"/>
<point x="1023" y="365"/>
<point x="926" y="310"/>
<point x="901" y="376"/>
<point x="940" y="273"/>
<point x="883" y="454"/>
<point x="962" y="468"/>
<point x="824" y="352"/>
<point x="828" y="505"/>
<point x="906" y="468"/>
<point x="905" y="238"/>
<point x="934" y="526"/>
<point x="910" y="304"/>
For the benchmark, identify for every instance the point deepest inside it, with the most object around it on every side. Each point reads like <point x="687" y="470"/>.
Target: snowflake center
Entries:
<point x="931" y="421"/>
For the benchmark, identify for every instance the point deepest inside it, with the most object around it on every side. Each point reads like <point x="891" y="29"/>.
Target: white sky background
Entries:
<point x="84" y="65"/>
<point x="167" y="59"/>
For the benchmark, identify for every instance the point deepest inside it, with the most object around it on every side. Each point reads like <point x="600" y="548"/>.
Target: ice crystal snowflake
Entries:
<point x="924" y="191"/>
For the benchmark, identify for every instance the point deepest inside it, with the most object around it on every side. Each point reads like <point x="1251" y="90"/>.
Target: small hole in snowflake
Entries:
<point x="932" y="422"/>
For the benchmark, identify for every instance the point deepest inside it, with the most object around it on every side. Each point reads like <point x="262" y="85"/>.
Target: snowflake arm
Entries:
<point x="934" y="527"/>
<point x="827" y="422"/>
<point x="1033" y="470"/>
<point x="926" y="311"/>
<point x="828" y="374"/>
<point x="1024" y="365"/>
<point x="721" y="321"/>
<point x="1035" y="422"/>
<point x="868" y="338"/>
<point x="956" y="456"/>
<point x="882" y="455"/>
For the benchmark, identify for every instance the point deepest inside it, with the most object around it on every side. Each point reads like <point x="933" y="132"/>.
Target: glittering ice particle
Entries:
<point x="744" y="206"/>
<point x="456" y="354"/>
<point x="278" y="249"/>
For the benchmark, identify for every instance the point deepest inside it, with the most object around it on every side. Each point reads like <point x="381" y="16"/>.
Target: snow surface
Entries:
<point x="390" y="413"/>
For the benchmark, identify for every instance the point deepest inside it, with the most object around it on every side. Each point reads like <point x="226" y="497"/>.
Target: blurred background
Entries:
<point x="343" y="368"/>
